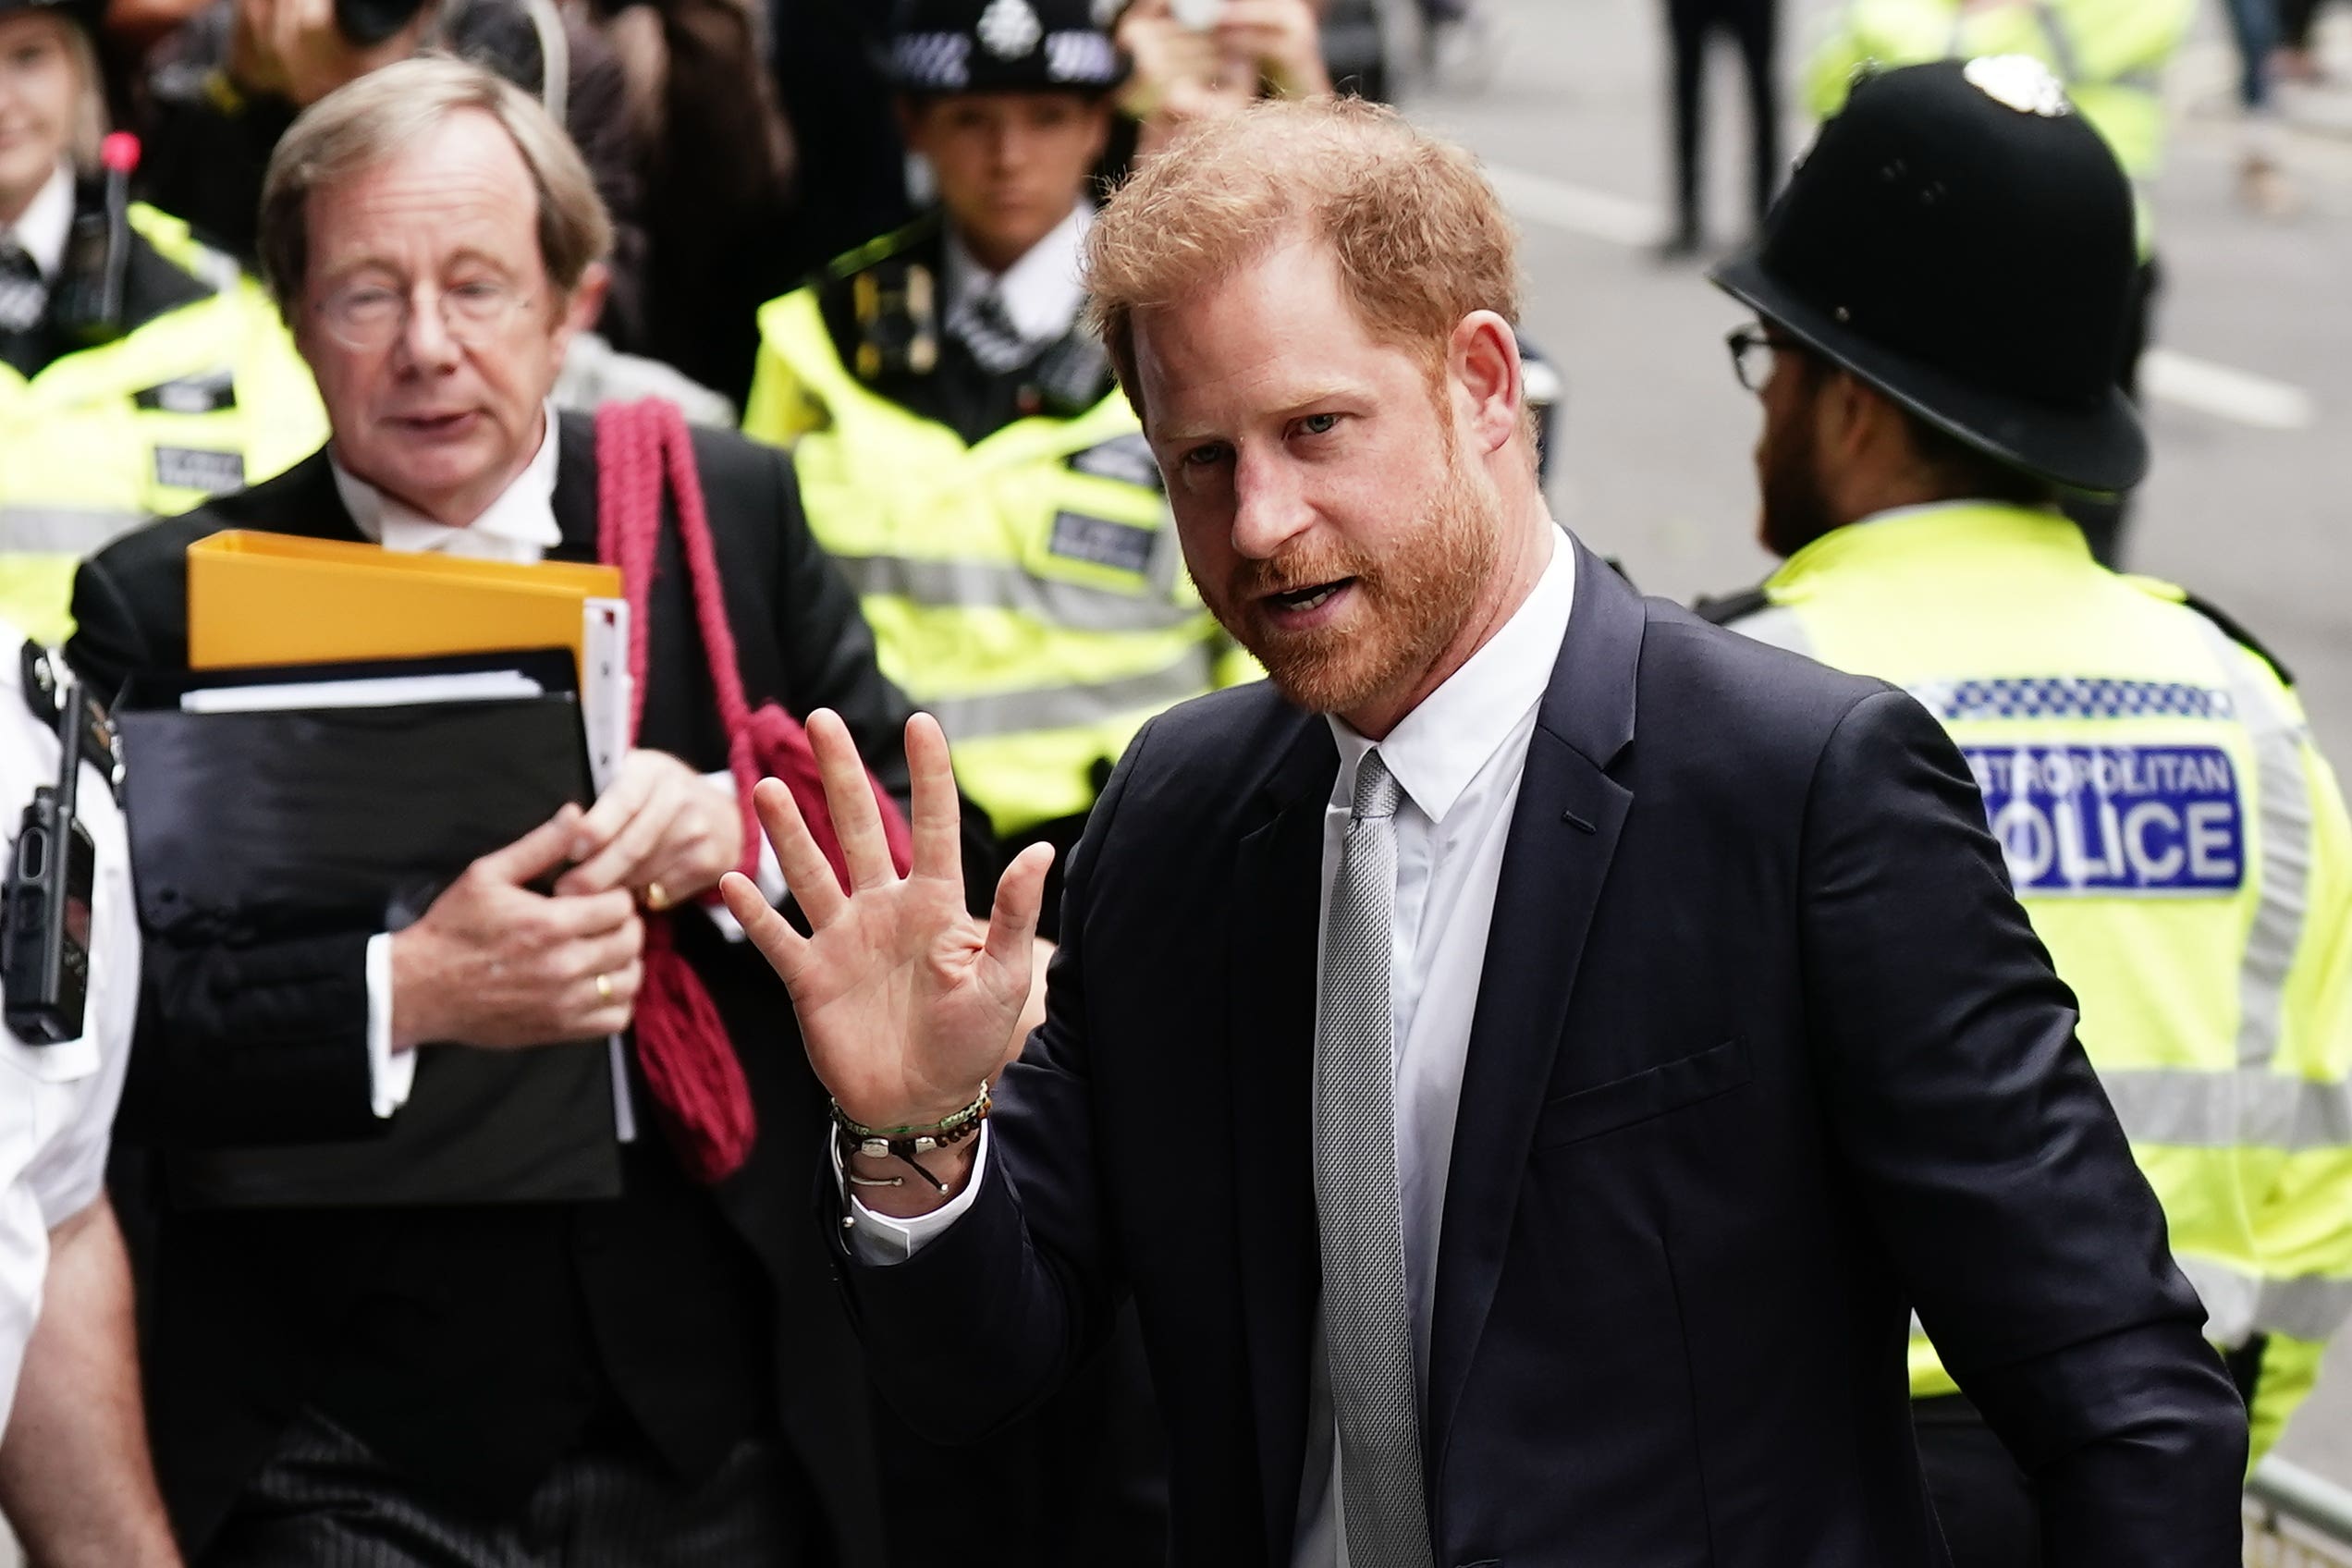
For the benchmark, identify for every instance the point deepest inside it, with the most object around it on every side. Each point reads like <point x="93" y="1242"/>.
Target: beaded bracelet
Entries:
<point x="903" y="1143"/>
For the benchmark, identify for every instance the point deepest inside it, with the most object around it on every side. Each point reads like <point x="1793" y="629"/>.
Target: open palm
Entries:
<point x="906" y="1002"/>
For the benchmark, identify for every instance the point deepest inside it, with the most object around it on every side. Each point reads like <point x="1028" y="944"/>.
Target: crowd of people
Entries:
<point x="1165" y="968"/>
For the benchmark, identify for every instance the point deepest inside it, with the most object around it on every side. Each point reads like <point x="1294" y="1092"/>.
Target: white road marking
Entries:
<point x="1594" y="214"/>
<point x="2218" y="390"/>
<point x="2239" y="396"/>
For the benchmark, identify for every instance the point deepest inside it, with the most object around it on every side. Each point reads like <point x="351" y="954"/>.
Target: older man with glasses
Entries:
<point x="656" y="1377"/>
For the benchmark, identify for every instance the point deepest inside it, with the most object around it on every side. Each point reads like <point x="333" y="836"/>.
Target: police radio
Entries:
<point x="88" y="305"/>
<point x="45" y="903"/>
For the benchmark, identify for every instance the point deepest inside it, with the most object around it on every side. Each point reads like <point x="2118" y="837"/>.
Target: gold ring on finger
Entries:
<point x="604" y="988"/>
<point x="657" y="897"/>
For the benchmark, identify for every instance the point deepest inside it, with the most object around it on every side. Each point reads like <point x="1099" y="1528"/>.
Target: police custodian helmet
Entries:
<point x="1960" y="239"/>
<point x="940" y="46"/>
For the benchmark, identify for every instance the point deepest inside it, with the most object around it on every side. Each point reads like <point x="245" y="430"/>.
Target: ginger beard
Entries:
<point x="1415" y="595"/>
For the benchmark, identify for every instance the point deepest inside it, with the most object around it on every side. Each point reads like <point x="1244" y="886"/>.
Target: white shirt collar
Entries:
<point x="519" y="525"/>
<point x="1043" y="291"/>
<point x="47" y="220"/>
<point x="1439" y="747"/>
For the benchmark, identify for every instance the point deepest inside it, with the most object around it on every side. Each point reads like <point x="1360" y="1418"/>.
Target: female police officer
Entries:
<point x="138" y="372"/>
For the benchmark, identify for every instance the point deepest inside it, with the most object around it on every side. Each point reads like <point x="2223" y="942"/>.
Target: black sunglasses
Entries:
<point x="1747" y="364"/>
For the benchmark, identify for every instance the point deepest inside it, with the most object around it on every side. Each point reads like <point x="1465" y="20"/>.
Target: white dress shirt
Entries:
<point x="1042" y="292"/>
<point x="1460" y="757"/>
<point x="41" y="228"/>
<point x="520" y="526"/>
<point x="57" y="1102"/>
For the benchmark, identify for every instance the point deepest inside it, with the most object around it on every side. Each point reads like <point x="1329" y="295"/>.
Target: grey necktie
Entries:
<point x="23" y="296"/>
<point x="987" y="329"/>
<point x="1366" y="1327"/>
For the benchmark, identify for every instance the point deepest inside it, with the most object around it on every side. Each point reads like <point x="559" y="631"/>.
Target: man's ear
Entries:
<point x="586" y="302"/>
<point x="1846" y="417"/>
<point x="1884" y="437"/>
<point x="1483" y="369"/>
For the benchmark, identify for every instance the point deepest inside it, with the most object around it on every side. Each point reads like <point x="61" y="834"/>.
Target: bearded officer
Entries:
<point x="1941" y="293"/>
<point x="2111" y="54"/>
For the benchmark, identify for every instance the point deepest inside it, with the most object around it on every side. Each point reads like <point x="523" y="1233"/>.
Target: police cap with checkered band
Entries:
<point x="1963" y="240"/>
<point x="943" y="46"/>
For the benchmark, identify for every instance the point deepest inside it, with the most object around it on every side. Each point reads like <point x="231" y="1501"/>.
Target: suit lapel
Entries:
<point x="1563" y="833"/>
<point x="575" y="499"/>
<point x="1270" y="1030"/>
<point x="310" y="504"/>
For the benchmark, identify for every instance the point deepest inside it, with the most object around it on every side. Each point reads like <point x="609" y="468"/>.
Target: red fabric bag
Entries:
<point x="643" y="452"/>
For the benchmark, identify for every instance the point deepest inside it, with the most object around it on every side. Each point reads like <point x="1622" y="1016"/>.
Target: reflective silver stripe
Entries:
<point x="953" y="584"/>
<point x="2242" y="1108"/>
<point x="1778" y="626"/>
<point x="62" y="530"/>
<point x="1061" y="707"/>
<point x="2282" y="799"/>
<point x="2238" y="1306"/>
<point x="2062" y="42"/>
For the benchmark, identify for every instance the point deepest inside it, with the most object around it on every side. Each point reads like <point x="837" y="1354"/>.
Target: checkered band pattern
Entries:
<point x="1082" y="59"/>
<point x="2068" y="696"/>
<point x="934" y="61"/>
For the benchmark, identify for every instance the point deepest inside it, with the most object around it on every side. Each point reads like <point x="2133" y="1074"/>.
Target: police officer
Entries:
<point x="2111" y="55"/>
<point x="965" y="455"/>
<point x="75" y="1478"/>
<point x="138" y="372"/>
<point x="1940" y="292"/>
<point x="962" y="451"/>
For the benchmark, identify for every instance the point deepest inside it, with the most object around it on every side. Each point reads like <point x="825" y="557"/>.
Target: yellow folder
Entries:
<point x="272" y="598"/>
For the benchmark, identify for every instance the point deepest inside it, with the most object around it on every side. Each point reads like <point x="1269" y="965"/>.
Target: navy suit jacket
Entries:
<point x="1765" y="1055"/>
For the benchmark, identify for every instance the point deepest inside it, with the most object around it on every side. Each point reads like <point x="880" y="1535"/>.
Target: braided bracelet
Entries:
<point x="903" y="1143"/>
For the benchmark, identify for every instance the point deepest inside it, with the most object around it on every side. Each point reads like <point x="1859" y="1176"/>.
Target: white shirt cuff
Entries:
<point x="769" y="876"/>
<point x="391" y="1074"/>
<point x="880" y="1240"/>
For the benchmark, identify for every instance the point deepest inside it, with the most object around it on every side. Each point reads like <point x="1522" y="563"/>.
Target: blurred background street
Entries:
<point x="2250" y="400"/>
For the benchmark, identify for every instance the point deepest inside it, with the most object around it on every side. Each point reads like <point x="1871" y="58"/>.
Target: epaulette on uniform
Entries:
<point x="2230" y="626"/>
<point x="876" y="250"/>
<point x="42" y="677"/>
<point x="2236" y="631"/>
<point x="38" y="680"/>
<point x="1730" y="607"/>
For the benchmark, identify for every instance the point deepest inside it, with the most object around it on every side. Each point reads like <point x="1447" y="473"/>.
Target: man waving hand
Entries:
<point x="1470" y="1048"/>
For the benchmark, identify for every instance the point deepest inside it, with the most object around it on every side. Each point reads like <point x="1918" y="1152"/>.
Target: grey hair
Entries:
<point x="360" y="124"/>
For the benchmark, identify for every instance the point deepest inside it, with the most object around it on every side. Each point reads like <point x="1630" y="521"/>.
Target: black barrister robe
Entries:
<point x="471" y="1347"/>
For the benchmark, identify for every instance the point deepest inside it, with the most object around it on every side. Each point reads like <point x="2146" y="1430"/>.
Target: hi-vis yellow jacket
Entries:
<point x="1027" y="589"/>
<point x="2183" y="849"/>
<point x="201" y="393"/>
<point x="2110" y="54"/>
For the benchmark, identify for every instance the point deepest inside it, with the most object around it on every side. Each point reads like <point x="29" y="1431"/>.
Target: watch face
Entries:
<point x="365" y="22"/>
